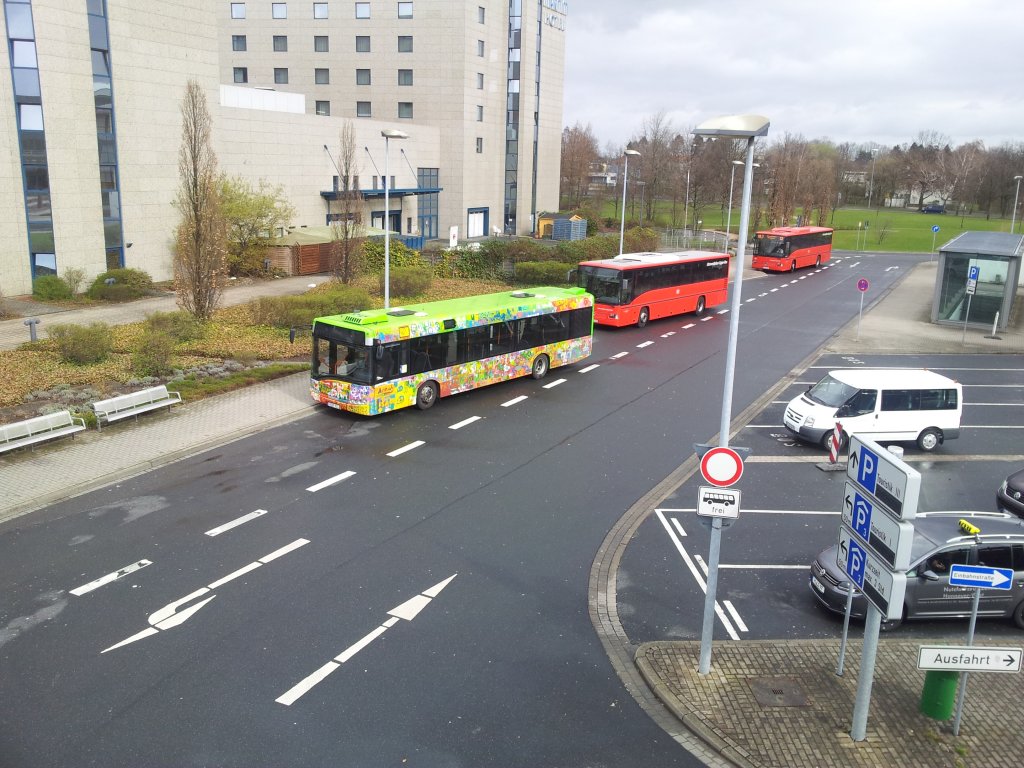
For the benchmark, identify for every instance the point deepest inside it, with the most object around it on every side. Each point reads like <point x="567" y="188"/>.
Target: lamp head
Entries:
<point x="734" y="126"/>
<point x="631" y="152"/>
<point x="1018" y="178"/>
<point x="391" y="133"/>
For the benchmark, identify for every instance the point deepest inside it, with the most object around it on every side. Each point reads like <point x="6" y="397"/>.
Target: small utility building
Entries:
<point x="997" y="257"/>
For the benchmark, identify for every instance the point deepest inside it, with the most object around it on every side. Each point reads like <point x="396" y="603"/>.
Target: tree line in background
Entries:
<point x="691" y="173"/>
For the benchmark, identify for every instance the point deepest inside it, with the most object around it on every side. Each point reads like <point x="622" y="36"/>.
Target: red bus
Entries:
<point x="636" y="287"/>
<point x="784" y="249"/>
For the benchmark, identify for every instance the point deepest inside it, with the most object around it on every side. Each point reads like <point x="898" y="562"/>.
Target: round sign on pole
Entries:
<point x="721" y="466"/>
<point x="863" y="284"/>
<point x="935" y="228"/>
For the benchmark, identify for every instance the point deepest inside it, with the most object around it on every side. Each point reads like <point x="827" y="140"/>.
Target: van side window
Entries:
<point x="996" y="556"/>
<point x="900" y="399"/>
<point x="938" y="400"/>
<point x="863" y="402"/>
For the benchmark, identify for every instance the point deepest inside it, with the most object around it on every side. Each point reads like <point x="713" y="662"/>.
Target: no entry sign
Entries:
<point x="721" y="466"/>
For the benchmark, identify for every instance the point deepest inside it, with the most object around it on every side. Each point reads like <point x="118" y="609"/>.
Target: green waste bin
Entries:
<point x="939" y="694"/>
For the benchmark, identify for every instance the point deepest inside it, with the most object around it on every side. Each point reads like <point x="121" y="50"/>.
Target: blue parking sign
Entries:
<point x="861" y="516"/>
<point x="867" y="470"/>
<point x="856" y="562"/>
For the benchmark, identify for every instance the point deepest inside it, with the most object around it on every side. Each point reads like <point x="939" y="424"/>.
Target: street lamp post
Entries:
<point x="747" y="127"/>
<point x="388" y="134"/>
<point x="728" y="216"/>
<point x="625" y="181"/>
<point x="871" y="184"/>
<point x="1013" y="216"/>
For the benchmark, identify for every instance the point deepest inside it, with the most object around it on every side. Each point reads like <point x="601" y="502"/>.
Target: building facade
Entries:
<point x="90" y="125"/>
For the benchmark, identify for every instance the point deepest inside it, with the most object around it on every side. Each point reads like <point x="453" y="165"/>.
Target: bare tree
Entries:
<point x="579" y="153"/>
<point x="200" y="242"/>
<point x="347" y="230"/>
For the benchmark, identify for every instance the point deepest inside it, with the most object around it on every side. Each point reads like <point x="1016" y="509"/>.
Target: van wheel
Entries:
<point x="1018" y="615"/>
<point x="701" y="306"/>
<point x="540" y="366"/>
<point x="426" y="395"/>
<point x="826" y="441"/>
<point x="643" y="317"/>
<point x="929" y="440"/>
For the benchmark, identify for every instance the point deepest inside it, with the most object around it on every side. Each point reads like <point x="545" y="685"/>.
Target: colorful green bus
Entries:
<point x="378" y="360"/>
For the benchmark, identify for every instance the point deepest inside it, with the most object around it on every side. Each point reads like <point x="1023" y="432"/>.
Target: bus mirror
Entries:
<point x="570" y="276"/>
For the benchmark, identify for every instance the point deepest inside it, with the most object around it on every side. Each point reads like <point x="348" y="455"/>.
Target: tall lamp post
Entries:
<point x="871" y="184"/>
<point x="1013" y="216"/>
<point x="388" y="134"/>
<point x="625" y="181"/>
<point x="728" y="217"/>
<point x="747" y="127"/>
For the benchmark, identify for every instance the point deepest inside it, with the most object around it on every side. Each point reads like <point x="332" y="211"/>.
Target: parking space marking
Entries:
<point x="735" y="616"/>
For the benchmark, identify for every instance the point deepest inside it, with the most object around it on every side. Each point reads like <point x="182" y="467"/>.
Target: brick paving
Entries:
<point x="722" y="709"/>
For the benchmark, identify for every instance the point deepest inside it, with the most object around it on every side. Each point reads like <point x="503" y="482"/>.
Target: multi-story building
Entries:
<point x="90" y="123"/>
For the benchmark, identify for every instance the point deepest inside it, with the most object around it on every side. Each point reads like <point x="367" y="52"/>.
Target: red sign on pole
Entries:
<point x="721" y="466"/>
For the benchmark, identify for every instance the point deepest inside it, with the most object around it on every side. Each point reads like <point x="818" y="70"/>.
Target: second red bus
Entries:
<point x="786" y="249"/>
<point x="634" y="288"/>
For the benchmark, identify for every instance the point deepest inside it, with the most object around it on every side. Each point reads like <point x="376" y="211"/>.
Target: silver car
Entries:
<point x="940" y="542"/>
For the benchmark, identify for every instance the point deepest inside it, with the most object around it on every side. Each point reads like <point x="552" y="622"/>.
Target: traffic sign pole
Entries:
<point x="963" y="678"/>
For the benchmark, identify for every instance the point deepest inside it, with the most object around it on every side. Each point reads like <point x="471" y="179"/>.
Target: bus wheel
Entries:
<point x="792" y="266"/>
<point x="643" y="317"/>
<point x="817" y="262"/>
<point x="701" y="306"/>
<point x="929" y="440"/>
<point x="540" y="366"/>
<point x="426" y="395"/>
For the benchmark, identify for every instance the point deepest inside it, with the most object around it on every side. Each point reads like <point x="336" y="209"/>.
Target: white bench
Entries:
<point x="38" y="429"/>
<point x="134" y="403"/>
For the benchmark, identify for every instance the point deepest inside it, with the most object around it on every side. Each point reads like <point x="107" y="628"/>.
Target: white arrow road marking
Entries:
<point x="407" y="611"/>
<point x="102" y="580"/>
<point x="169" y="616"/>
<point x="889" y="269"/>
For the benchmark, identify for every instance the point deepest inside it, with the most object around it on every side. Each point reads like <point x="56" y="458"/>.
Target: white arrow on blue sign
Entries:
<point x="980" y="576"/>
<point x="890" y="539"/>
<point x="892" y="483"/>
<point x="883" y="588"/>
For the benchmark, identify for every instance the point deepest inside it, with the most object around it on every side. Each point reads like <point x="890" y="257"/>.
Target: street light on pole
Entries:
<point x="728" y="217"/>
<point x="747" y="127"/>
<point x="1013" y="216"/>
<point x="625" y="181"/>
<point x="871" y="184"/>
<point x="388" y="134"/>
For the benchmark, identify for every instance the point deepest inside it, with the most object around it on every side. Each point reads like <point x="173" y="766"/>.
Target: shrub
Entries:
<point x="51" y="288"/>
<point x="152" y="356"/>
<point x="82" y="344"/>
<point x="291" y="311"/>
<point x="400" y="255"/>
<point x="180" y="326"/>
<point x="127" y="284"/>
<point x="74" y="277"/>
<point x="408" y="281"/>
<point x="542" y="273"/>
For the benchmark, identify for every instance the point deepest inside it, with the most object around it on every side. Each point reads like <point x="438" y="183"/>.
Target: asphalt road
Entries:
<point x="430" y="608"/>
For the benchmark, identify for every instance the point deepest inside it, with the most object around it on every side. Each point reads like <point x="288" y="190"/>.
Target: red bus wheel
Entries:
<point x="792" y="266"/>
<point x="701" y="306"/>
<point x="643" y="317"/>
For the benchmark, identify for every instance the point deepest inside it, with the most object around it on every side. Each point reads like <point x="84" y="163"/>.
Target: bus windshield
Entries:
<point x="346" y="362"/>
<point x="831" y="392"/>
<point x="604" y="284"/>
<point x="770" y="246"/>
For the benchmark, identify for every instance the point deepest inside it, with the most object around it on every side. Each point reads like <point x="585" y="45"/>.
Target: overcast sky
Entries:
<point x="867" y="71"/>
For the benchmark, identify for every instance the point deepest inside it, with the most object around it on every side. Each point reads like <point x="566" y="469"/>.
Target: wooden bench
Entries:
<point x="38" y="429"/>
<point x="134" y="403"/>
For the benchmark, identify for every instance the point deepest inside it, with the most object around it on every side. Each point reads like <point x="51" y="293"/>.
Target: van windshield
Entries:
<point x="831" y="392"/>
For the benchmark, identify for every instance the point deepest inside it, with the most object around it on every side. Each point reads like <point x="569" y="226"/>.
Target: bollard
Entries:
<point x="895" y="450"/>
<point x="995" y="325"/>
<point x="32" y="322"/>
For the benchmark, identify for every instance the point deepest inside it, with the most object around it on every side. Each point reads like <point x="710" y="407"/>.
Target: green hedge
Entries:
<point x="127" y="284"/>
<point x="51" y="288"/>
<point x="82" y="344"/>
<point x="542" y="273"/>
<point x="408" y="281"/>
<point x="292" y="311"/>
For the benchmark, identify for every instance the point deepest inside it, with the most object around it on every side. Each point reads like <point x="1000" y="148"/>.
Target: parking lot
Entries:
<point x="790" y="511"/>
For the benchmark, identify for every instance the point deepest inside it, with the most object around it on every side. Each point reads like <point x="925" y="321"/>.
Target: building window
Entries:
<point x="281" y="75"/>
<point x="479" y="113"/>
<point x="363" y="77"/>
<point x="319" y="10"/>
<point x="280" y="43"/>
<point x="323" y="108"/>
<point x="279" y="10"/>
<point x="363" y="109"/>
<point x="405" y="43"/>
<point x="405" y="10"/>
<point x="480" y="48"/>
<point x="241" y="75"/>
<point x="405" y="77"/>
<point x="321" y="76"/>
<point x="405" y="110"/>
<point x="480" y="81"/>
<point x="362" y="10"/>
<point x="479" y="145"/>
<point x="363" y="43"/>
<point x="238" y="10"/>
<point x="321" y="44"/>
<point x="481" y="14"/>
<point x="238" y="43"/>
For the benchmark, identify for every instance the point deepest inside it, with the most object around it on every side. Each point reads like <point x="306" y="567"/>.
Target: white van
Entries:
<point x="898" y="404"/>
